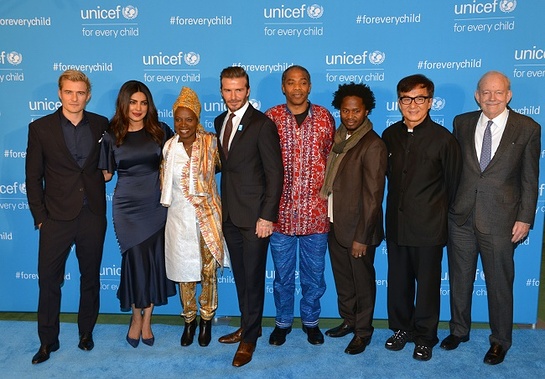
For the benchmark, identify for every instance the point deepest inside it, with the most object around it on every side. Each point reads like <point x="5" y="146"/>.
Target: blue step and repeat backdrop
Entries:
<point x="170" y="44"/>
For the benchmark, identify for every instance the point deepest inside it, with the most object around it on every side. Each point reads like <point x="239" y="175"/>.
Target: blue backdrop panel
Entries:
<point x="173" y="44"/>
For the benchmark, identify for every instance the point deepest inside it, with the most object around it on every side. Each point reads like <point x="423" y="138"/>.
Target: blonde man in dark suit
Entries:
<point x="66" y="196"/>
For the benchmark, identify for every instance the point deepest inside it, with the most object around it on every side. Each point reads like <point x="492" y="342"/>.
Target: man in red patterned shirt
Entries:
<point x="306" y="135"/>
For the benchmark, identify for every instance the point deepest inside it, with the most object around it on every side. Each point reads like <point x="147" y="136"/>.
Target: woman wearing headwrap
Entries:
<point x="195" y="245"/>
<point x="132" y="147"/>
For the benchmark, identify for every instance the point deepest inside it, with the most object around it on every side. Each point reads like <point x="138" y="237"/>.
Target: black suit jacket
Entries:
<point x="55" y="183"/>
<point x="507" y="190"/>
<point x="253" y="175"/>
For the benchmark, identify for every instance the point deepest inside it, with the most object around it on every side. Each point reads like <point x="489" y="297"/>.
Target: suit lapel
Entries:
<point x="218" y="125"/>
<point x="472" y="121"/>
<point x="242" y="126"/>
<point x="96" y="135"/>
<point x="506" y="140"/>
<point x="58" y="135"/>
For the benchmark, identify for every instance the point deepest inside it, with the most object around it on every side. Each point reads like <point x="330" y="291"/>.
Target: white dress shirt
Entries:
<point x="236" y="122"/>
<point x="496" y="129"/>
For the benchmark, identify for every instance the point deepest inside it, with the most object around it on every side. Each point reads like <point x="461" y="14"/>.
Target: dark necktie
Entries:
<point x="227" y="134"/>
<point x="486" y="150"/>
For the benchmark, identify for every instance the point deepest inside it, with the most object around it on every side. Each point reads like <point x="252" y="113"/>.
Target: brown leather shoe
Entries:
<point x="244" y="353"/>
<point x="234" y="337"/>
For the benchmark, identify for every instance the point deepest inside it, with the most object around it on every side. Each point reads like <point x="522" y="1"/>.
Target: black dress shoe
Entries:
<point x="189" y="333"/>
<point x="451" y="342"/>
<point x="86" y="341"/>
<point x="314" y="335"/>
<point x="422" y="353"/>
<point x="495" y="354"/>
<point x="340" y="331"/>
<point x="398" y="340"/>
<point x="278" y="336"/>
<point x="357" y="345"/>
<point x="205" y="332"/>
<point x="43" y="353"/>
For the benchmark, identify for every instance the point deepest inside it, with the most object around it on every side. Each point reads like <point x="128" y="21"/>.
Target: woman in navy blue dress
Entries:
<point x="132" y="147"/>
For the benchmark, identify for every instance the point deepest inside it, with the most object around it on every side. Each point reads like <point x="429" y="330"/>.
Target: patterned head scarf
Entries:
<point x="189" y="99"/>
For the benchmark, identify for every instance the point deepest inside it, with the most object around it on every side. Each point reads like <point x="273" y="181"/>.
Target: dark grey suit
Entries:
<point x="481" y="219"/>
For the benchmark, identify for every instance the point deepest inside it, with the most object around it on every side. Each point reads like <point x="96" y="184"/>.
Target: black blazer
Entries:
<point x="253" y="175"/>
<point x="55" y="183"/>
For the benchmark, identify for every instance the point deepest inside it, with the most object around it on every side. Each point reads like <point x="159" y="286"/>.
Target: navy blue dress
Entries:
<point x="139" y="218"/>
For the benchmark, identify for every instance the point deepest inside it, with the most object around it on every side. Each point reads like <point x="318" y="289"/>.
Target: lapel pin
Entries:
<point x="240" y="128"/>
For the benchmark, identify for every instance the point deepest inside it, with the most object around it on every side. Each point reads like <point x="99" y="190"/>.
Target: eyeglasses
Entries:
<point x="406" y="100"/>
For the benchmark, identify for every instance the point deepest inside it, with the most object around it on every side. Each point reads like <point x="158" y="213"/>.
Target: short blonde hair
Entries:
<point x="75" y="76"/>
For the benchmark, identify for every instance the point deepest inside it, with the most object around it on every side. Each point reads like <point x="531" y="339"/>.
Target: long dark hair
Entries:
<point x="119" y="124"/>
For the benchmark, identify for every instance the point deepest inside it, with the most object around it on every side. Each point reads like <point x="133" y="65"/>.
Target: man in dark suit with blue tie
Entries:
<point x="251" y="185"/>
<point x="67" y="199"/>
<point x="493" y="210"/>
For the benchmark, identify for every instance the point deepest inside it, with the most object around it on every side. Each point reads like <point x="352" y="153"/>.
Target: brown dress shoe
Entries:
<point x="244" y="353"/>
<point x="234" y="337"/>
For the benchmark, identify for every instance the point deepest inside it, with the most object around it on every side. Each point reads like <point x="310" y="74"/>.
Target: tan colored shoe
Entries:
<point x="234" y="337"/>
<point x="244" y="354"/>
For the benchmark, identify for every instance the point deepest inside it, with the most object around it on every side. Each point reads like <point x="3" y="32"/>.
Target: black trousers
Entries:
<point x="355" y="284"/>
<point x="414" y="283"/>
<point x="86" y="232"/>
<point x="248" y="260"/>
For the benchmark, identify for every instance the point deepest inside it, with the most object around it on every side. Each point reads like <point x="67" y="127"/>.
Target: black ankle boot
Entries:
<point x="205" y="332"/>
<point x="189" y="333"/>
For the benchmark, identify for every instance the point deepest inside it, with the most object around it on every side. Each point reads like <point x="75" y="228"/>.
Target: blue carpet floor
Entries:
<point x="112" y="357"/>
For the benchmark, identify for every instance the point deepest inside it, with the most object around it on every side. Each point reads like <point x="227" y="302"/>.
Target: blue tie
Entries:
<point x="486" y="151"/>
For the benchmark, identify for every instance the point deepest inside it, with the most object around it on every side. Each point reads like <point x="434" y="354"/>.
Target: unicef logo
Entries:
<point x="255" y="103"/>
<point x="130" y="12"/>
<point x="192" y="58"/>
<point x="377" y="57"/>
<point x="22" y="188"/>
<point x="508" y="6"/>
<point x="437" y="104"/>
<point x="15" y="58"/>
<point x="315" y="11"/>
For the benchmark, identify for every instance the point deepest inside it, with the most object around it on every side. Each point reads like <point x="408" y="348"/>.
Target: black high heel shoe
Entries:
<point x="133" y="342"/>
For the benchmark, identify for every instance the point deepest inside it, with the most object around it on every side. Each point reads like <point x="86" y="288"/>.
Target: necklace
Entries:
<point x="188" y="149"/>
